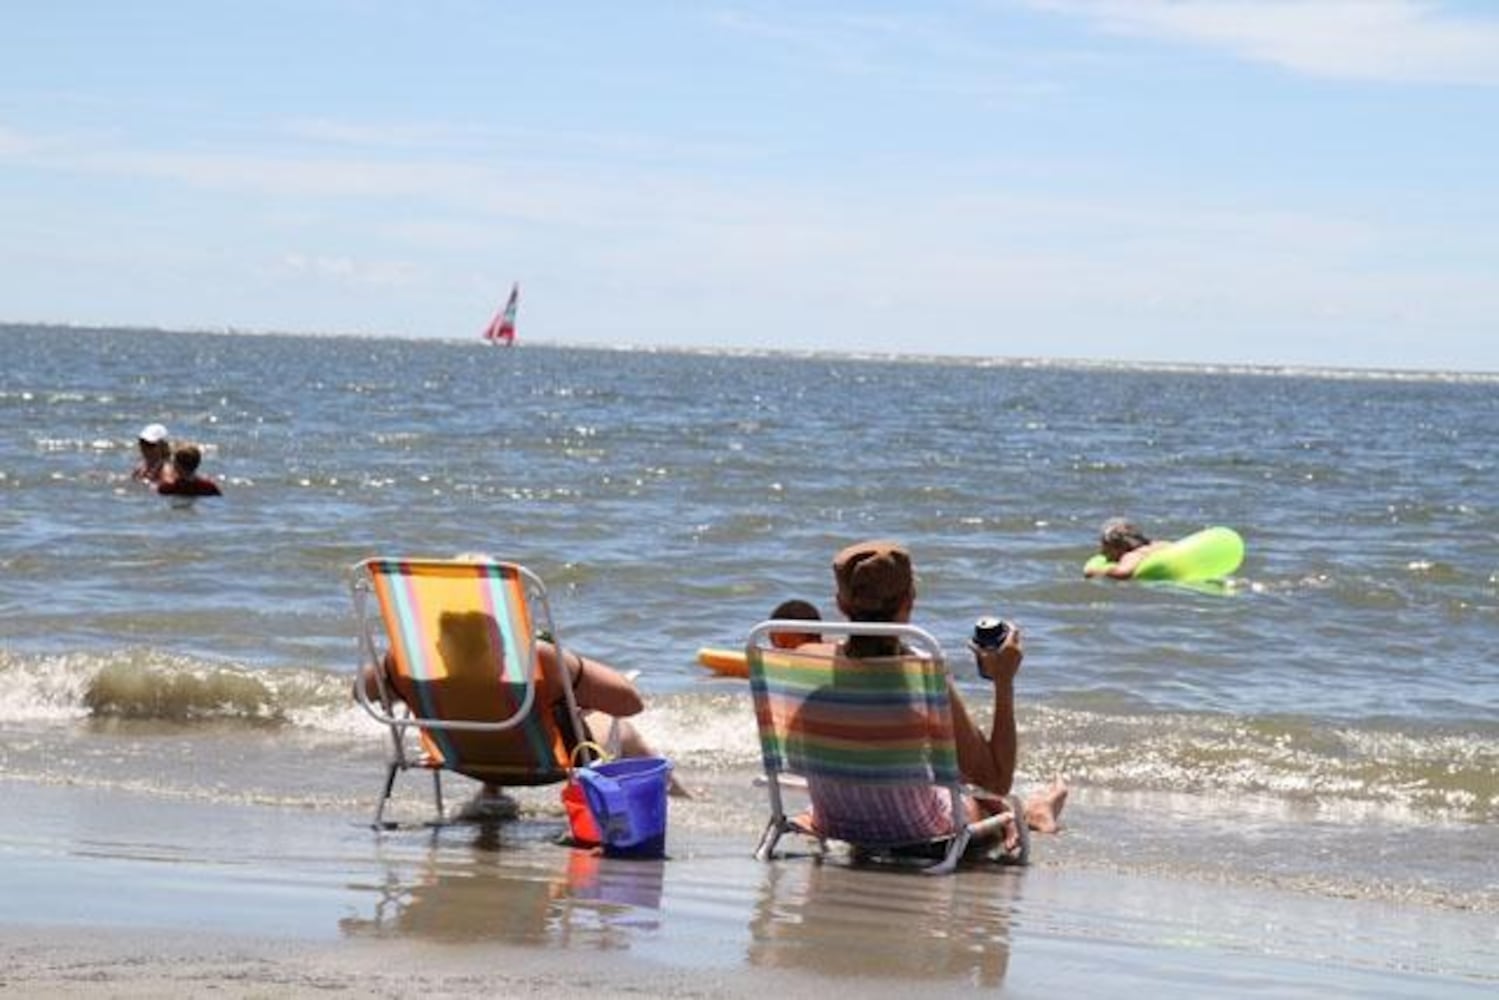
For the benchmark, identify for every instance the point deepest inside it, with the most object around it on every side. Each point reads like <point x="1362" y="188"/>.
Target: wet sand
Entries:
<point x="112" y="893"/>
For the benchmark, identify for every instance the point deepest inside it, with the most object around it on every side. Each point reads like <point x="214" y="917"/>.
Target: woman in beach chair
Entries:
<point x="881" y="736"/>
<point x="474" y="666"/>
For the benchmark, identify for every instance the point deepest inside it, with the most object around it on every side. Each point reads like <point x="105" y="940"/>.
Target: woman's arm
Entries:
<point x="596" y="685"/>
<point x="989" y="762"/>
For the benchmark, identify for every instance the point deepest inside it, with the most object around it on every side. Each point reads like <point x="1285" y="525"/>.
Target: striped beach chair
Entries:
<point x="876" y="729"/>
<point x="462" y="671"/>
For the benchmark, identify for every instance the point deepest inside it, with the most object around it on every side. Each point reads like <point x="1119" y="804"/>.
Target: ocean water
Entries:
<point x="1334" y="703"/>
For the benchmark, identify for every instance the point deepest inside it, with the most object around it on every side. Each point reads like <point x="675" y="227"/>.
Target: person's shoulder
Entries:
<point x="1146" y="551"/>
<point x="189" y="488"/>
<point x="1131" y="560"/>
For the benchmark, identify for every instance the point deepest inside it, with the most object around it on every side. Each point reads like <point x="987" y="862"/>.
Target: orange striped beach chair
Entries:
<point x="875" y="730"/>
<point x="462" y="672"/>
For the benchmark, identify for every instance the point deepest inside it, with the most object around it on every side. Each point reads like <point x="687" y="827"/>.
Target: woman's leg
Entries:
<point x="624" y="740"/>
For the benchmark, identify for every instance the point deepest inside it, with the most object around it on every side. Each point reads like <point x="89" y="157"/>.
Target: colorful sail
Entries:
<point x="501" y="329"/>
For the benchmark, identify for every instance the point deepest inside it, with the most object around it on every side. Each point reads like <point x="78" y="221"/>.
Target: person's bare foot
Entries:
<point x="489" y="805"/>
<point x="1044" y="809"/>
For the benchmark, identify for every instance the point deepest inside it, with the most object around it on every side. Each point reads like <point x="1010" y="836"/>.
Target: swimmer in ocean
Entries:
<point x="1125" y="547"/>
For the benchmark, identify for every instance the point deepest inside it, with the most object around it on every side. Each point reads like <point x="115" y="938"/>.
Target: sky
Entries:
<point x="1299" y="182"/>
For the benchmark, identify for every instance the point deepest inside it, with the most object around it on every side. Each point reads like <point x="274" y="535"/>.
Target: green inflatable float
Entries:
<point x="1210" y="554"/>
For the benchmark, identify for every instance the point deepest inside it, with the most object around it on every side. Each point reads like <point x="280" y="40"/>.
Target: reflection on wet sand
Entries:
<point x="846" y="921"/>
<point x="504" y="884"/>
<point x="509" y="884"/>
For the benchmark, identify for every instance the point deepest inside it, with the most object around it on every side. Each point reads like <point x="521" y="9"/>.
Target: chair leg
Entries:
<point x="437" y="795"/>
<point x="992" y="827"/>
<point x="768" y="840"/>
<point x="390" y="781"/>
<point x="949" y="862"/>
<point x="1022" y="855"/>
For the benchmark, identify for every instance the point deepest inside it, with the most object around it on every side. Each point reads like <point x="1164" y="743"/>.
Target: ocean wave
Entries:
<point x="1438" y="772"/>
<point x="148" y="684"/>
<point x="1344" y="768"/>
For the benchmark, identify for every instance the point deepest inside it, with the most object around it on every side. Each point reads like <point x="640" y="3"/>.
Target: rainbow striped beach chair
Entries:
<point x="876" y="728"/>
<point x="463" y="672"/>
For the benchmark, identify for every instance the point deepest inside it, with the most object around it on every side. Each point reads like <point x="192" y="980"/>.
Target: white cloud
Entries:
<point x="1412" y="41"/>
<point x="346" y="270"/>
<point x="568" y="189"/>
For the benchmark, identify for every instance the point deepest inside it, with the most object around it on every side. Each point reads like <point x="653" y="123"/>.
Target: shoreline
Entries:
<point x="120" y="893"/>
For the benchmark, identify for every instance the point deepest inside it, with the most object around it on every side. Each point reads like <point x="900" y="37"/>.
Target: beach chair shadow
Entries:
<point x="878" y="728"/>
<point x="462" y="671"/>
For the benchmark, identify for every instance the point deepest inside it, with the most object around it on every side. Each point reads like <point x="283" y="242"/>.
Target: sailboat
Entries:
<point x="501" y="329"/>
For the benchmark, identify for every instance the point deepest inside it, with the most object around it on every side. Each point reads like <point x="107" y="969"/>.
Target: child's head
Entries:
<point x="186" y="458"/>
<point x="800" y="611"/>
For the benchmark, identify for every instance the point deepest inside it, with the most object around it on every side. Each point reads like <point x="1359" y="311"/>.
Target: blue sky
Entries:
<point x="1258" y="181"/>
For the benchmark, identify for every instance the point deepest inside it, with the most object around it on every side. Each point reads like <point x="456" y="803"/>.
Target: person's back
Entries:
<point x="874" y="813"/>
<point x="606" y="697"/>
<point x="876" y="583"/>
<point x="185" y="480"/>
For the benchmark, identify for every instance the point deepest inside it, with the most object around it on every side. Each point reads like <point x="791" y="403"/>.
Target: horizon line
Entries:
<point x="1289" y="369"/>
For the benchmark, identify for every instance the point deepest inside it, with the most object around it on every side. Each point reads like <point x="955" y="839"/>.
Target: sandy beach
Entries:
<point x="109" y="893"/>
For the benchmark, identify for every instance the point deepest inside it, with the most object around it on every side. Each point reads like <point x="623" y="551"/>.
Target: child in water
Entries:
<point x="183" y="480"/>
<point x="800" y="611"/>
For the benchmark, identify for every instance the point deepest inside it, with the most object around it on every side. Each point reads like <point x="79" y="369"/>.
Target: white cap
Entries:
<point x="153" y="433"/>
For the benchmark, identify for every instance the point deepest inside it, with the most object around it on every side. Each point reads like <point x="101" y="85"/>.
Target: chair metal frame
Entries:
<point x="400" y="717"/>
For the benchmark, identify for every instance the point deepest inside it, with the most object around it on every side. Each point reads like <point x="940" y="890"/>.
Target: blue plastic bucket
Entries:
<point x="628" y="800"/>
